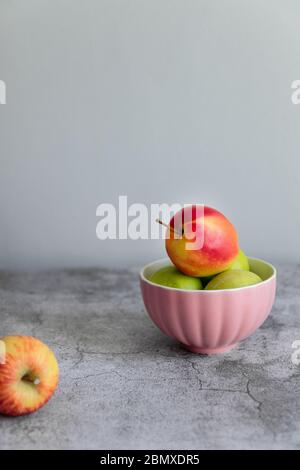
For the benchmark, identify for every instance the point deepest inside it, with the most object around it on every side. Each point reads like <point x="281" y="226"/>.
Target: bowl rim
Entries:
<point x="203" y="291"/>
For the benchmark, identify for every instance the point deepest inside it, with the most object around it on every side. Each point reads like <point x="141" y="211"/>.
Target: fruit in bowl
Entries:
<point x="209" y="321"/>
<point x="233" y="279"/>
<point x="219" y="246"/>
<point x="238" y="291"/>
<point x="171" y="277"/>
<point x="240" y="262"/>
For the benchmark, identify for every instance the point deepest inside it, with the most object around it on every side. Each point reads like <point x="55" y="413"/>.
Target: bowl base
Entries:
<point x="209" y="351"/>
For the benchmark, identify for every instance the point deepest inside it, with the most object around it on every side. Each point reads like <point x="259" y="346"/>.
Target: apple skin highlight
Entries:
<point x="219" y="249"/>
<point x="28" y="377"/>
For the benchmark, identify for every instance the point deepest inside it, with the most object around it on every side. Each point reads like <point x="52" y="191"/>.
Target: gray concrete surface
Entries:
<point x="125" y="385"/>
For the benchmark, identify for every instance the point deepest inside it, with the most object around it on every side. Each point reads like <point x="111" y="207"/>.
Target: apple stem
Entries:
<point x="28" y="378"/>
<point x="167" y="226"/>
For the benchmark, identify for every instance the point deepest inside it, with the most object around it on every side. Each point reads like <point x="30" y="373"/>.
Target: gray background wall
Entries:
<point x="162" y="100"/>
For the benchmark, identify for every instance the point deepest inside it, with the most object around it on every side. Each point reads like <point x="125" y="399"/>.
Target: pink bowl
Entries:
<point x="209" y="322"/>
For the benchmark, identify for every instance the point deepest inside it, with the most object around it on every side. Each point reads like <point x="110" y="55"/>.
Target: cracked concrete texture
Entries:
<point x="125" y="385"/>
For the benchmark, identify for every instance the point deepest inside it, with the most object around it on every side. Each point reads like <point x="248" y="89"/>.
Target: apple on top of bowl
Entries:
<point x="210" y="297"/>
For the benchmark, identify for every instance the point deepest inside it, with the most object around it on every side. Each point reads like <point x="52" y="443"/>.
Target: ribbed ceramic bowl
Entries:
<point x="212" y="321"/>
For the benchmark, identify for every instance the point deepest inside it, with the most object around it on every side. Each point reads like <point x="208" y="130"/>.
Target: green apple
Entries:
<point x="171" y="277"/>
<point x="240" y="262"/>
<point x="233" y="279"/>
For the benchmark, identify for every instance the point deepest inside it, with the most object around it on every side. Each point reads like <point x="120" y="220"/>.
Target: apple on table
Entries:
<point x="29" y="375"/>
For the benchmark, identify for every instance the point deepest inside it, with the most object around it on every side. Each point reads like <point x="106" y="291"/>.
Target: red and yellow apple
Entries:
<point x="29" y="375"/>
<point x="219" y="246"/>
